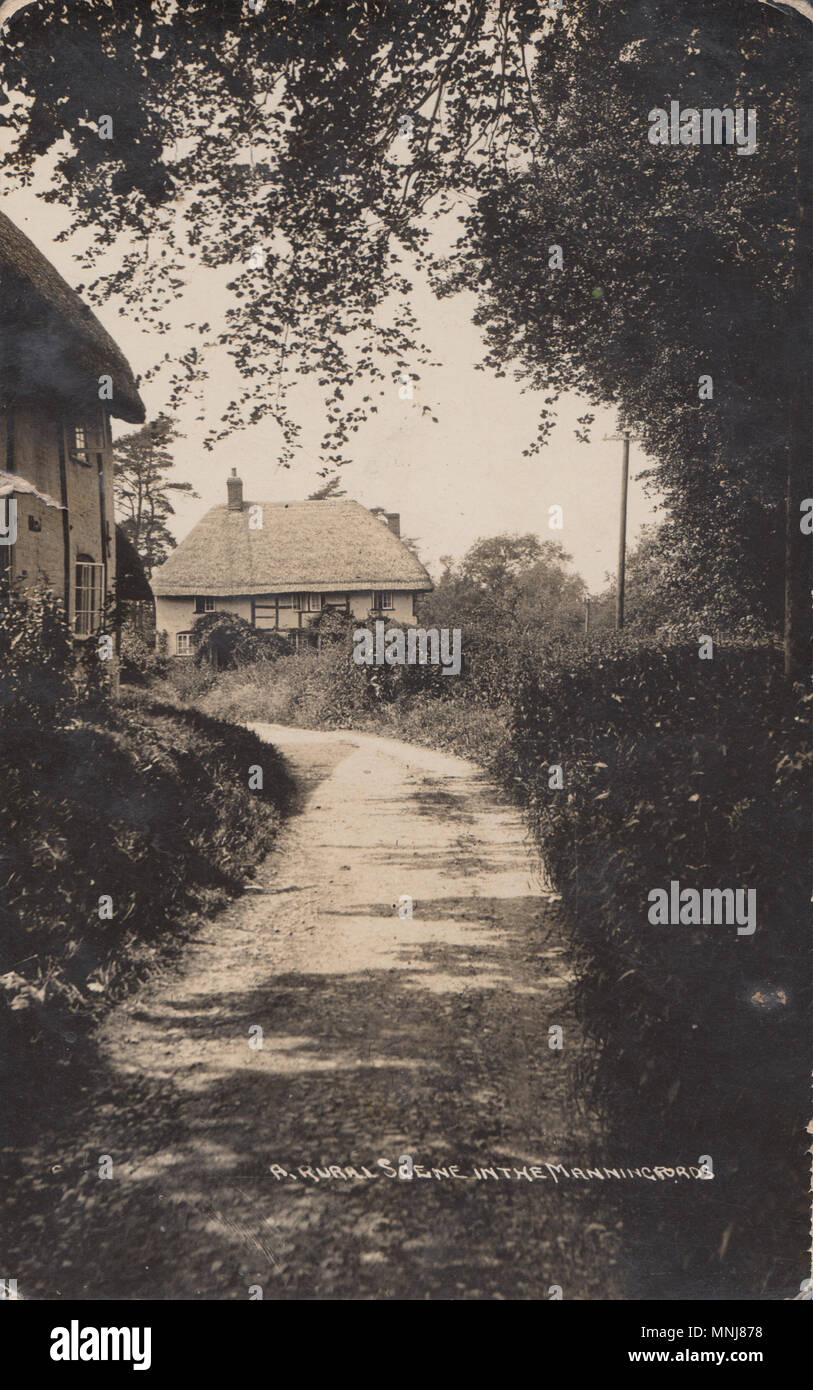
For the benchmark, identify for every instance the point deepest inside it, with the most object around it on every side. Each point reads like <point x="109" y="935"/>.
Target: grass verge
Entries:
<point x="120" y="830"/>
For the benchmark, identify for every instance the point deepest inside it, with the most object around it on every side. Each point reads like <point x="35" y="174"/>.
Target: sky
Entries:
<point x="453" y="482"/>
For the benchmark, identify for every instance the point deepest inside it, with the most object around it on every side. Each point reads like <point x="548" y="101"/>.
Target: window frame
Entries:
<point x="89" y="435"/>
<point x="204" y="603"/>
<point x="383" y="607"/>
<point x="304" y="603"/>
<point x="190" y="649"/>
<point x="88" y="618"/>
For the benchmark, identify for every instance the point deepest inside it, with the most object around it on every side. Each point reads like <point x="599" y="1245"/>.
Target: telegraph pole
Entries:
<point x="622" y="534"/>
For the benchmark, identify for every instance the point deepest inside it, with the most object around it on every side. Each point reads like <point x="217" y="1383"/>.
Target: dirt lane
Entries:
<point x="382" y="1036"/>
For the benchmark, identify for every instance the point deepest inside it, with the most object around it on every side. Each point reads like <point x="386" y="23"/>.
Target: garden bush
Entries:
<point x="226" y="641"/>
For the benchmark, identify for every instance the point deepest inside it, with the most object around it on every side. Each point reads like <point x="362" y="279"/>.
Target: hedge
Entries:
<point x="700" y="771"/>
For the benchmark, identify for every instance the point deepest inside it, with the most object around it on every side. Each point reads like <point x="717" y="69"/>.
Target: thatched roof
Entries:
<point x="51" y="344"/>
<point x="306" y="547"/>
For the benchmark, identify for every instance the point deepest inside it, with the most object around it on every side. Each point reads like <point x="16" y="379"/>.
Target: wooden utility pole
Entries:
<point x="586" y="613"/>
<point x="622" y="536"/>
<point x="622" y="533"/>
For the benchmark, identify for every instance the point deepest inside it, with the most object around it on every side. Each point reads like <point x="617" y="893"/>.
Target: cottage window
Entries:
<point x="89" y="596"/>
<point x="204" y="604"/>
<point x="382" y="599"/>
<point x="302" y="603"/>
<point x="85" y="438"/>
<point x="80" y="451"/>
<point x="183" y="644"/>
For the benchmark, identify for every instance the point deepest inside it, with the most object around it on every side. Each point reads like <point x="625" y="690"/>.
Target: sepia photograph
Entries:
<point x="406" y="663"/>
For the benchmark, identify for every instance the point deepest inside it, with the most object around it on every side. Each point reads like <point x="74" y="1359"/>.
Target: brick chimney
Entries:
<point x="234" y="489"/>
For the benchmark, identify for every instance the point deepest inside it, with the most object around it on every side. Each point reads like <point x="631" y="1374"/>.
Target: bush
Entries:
<point x="699" y="771"/>
<point x="463" y="727"/>
<point x="143" y="655"/>
<point x="315" y="689"/>
<point x="325" y="687"/>
<point x="36" y="661"/>
<point x="226" y="642"/>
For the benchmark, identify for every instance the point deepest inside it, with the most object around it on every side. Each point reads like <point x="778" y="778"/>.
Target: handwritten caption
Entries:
<point x="405" y="1169"/>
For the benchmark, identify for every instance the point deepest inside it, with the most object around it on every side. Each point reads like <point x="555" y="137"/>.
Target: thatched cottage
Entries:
<point x="279" y="564"/>
<point x="61" y="379"/>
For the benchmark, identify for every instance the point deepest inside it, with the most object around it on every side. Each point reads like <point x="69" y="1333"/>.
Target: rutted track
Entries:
<point x="381" y="1036"/>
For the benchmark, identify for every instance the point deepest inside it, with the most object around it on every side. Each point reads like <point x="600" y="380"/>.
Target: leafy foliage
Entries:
<point x="678" y="261"/>
<point x="280" y="133"/>
<point x="156" y="801"/>
<point x="36" y="661"/>
<point x="225" y="640"/>
<point x="662" y="600"/>
<point x="508" y="593"/>
<point x="141" y="802"/>
<point x="701" y="1031"/>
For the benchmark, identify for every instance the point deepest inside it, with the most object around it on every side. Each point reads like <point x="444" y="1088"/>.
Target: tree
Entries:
<point x="141" y="463"/>
<point x="509" y="594"/>
<point x="282" y="131"/>
<point x="681" y="267"/>
<point x="657" y="596"/>
<point x="266" y="143"/>
<point x="505" y="585"/>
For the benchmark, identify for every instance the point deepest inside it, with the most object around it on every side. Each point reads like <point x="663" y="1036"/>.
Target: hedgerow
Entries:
<point x="700" y="771"/>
